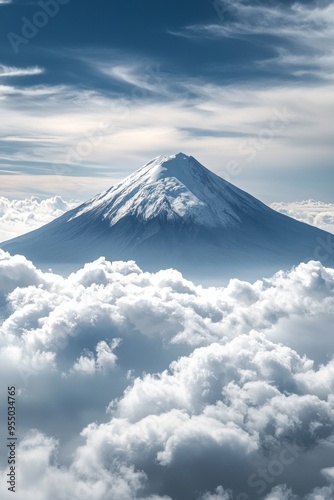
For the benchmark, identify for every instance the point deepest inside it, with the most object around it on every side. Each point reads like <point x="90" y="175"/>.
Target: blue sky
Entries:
<point x="89" y="91"/>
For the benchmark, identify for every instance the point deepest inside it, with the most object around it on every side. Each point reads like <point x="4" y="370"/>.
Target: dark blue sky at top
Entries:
<point x="138" y="28"/>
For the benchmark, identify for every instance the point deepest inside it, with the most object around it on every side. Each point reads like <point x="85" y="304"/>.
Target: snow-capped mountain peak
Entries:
<point x="172" y="187"/>
<point x="173" y="212"/>
<point x="180" y="166"/>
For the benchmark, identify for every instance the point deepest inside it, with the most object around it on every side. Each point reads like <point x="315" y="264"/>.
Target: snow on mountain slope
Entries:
<point x="177" y="186"/>
<point x="173" y="212"/>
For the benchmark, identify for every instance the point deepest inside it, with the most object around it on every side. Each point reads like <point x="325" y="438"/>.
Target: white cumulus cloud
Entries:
<point x="21" y="216"/>
<point x="105" y="359"/>
<point x="312" y="212"/>
<point x="137" y="385"/>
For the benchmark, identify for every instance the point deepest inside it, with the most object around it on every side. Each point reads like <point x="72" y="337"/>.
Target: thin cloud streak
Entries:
<point x="142" y="127"/>
<point x="11" y="71"/>
<point x="301" y="22"/>
<point x="306" y="29"/>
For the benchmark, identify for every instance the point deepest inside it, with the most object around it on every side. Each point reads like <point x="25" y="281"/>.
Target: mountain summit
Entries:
<point x="176" y="188"/>
<point x="173" y="212"/>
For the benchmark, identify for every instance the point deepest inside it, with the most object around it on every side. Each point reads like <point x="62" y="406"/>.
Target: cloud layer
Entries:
<point x="312" y="212"/>
<point x="146" y="386"/>
<point x="21" y="216"/>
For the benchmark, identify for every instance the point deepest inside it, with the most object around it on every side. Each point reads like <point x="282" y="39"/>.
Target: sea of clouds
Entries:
<point x="137" y="385"/>
<point x="21" y="216"/>
<point x="315" y="213"/>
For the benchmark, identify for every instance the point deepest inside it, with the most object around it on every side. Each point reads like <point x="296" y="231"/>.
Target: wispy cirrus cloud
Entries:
<point x="8" y="71"/>
<point x="141" y="111"/>
<point x="113" y="135"/>
<point x="302" y="34"/>
<point x="143" y="76"/>
<point x="308" y="21"/>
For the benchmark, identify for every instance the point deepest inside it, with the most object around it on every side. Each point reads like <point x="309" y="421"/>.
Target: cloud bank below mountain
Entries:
<point x="145" y="385"/>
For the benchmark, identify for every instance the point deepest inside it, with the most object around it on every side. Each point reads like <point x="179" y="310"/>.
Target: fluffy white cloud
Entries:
<point x="311" y="212"/>
<point x="203" y="399"/>
<point x="21" y="216"/>
<point x="40" y="477"/>
<point x="219" y="494"/>
<point x="105" y="359"/>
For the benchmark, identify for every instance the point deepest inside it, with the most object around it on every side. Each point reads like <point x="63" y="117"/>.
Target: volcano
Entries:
<point x="174" y="212"/>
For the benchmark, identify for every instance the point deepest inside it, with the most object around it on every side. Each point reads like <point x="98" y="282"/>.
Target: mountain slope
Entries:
<point x="174" y="212"/>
